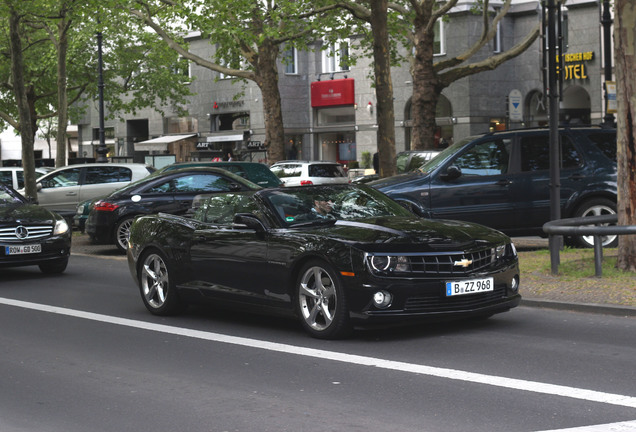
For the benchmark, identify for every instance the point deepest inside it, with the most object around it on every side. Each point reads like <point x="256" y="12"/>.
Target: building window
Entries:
<point x="439" y="45"/>
<point x="497" y="48"/>
<point x="290" y="61"/>
<point x="183" y="68"/>
<point x="335" y="57"/>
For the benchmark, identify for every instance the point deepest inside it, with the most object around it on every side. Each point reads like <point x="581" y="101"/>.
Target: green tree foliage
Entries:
<point x="247" y="38"/>
<point x="50" y="53"/>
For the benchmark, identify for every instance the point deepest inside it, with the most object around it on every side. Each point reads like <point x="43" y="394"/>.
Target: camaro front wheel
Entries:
<point x="321" y="302"/>
<point x="158" y="291"/>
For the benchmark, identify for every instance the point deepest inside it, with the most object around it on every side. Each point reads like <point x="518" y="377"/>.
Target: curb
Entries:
<point x="624" y="311"/>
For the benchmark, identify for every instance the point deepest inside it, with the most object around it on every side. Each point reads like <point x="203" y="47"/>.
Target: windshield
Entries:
<point x="9" y="196"/>
<point x="323" y="204"/>
<point x="432" y="164"/>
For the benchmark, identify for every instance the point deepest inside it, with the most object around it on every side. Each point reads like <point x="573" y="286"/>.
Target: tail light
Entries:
<point x="104" y="206"/>
<point x="306" y="182"/>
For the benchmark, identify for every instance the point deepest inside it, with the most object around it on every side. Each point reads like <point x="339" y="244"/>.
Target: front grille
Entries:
<point x="449" y="265"/>
<point x="440" y="303"/>
<point x="33" y="232"/>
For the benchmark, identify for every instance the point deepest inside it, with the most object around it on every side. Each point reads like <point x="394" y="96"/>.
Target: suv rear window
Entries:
<point x="323" y="170"/>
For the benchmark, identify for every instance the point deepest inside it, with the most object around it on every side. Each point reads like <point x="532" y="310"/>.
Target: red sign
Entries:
<point x="332" y="92"/>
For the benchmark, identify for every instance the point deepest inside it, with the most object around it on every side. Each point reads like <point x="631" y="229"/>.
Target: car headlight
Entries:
<point x="502" y="251"/>
<point x="389" y="263"/>
<point x="60" y="227"/>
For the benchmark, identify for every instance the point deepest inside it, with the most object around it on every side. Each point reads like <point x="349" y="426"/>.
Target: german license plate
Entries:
<point x="24" y="249"/>
<point x="470" y="286"/>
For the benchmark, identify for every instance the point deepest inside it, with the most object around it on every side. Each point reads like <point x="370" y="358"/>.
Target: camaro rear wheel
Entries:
<point x="596" y="207"/>
<point x="122" y="233"/>
<point x="157" y="289"/>
<point x="321" y="302"/>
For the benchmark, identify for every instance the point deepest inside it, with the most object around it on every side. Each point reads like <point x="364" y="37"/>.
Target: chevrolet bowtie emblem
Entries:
<point x="463" y="263"/>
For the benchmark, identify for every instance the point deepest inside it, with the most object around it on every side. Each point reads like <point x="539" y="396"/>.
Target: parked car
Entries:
<point x="14" y="176"/>
<point x="303" y="173"/>
<point x="172" y="192"/>
<point x="31" y="234"/>
<point x="253" y="171"/>
<point x="63" y="189"/>
<point x="502" y="180"/>
<point x="367" y="261"/>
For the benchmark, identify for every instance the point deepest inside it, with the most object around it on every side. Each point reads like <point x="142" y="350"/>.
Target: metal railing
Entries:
<point x="583" y="226"/>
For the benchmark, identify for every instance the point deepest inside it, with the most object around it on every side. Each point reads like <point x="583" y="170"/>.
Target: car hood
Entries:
<point x="411" y="234"/>
<point x="388" y="182"/>
<point x="26" y="214"/>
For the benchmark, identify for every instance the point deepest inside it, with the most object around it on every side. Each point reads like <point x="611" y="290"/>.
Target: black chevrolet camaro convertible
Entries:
<point x="335" y="256"/>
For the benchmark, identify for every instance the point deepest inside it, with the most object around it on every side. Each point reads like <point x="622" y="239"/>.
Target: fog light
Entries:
<point x="514" y="284"/>
<point x="382" y="299"/>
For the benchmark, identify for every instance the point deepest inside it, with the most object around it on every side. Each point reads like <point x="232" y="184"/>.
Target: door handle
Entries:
<point x="504" y="182"/>
<point x="576" y="177"/>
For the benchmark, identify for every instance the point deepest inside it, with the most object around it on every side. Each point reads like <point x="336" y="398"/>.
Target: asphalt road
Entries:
<point x="80" y="353"/>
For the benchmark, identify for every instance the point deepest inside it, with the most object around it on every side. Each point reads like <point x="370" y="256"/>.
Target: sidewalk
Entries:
<point x="590" y="295"/>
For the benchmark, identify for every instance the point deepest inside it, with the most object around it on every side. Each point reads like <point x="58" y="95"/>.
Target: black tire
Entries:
<point x="321" y="301"/>
<point x="54" y="267"/>
<point x="157" y="288"/>
<point x="595" y="207"/>
<point x="122" y="233"/>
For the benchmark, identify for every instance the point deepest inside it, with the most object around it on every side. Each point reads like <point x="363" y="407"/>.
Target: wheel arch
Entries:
<point x="574" y="204"/>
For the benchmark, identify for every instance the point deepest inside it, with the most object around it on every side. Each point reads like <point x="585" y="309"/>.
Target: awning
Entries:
<point x="225" y="137"/>
<point x="161" y="143"/>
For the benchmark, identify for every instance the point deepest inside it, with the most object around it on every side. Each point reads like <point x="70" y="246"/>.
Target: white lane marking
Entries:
<point x="511" y="383"/>
<point x="629" y="426"/>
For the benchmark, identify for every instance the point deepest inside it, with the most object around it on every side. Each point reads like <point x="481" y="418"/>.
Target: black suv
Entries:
<point x="502" y="180"/>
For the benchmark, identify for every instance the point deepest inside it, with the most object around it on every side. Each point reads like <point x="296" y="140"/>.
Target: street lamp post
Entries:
<point x="101" y="149"/>
<point x="606" y="21"/>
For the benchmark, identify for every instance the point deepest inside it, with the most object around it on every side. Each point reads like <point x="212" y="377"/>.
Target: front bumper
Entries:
<point x="53" y="248"/>
<point x="424" y="299"/>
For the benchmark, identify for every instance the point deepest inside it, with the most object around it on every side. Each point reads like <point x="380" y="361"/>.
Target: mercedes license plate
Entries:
<point x="470" y="286"/>
<point x="24" y="249"/>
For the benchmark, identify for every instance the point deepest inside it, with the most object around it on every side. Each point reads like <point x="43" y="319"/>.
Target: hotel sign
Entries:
<point x="574" y="65"/>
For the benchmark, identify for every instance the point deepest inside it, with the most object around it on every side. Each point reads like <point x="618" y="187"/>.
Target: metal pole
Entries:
<point x="606" y="21"/>
<point x="553" y="95"/>
<point x="101" y="149"/>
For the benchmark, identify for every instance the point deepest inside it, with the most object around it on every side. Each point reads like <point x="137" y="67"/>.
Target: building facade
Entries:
<point x="329" y="113"/>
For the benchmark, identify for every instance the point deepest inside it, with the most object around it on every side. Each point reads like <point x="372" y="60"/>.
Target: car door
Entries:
<point x="532" y="190"/>
<point x="99" y="181"/>
<point x="60" y="190"/>
<point x="231" y="262"/>
<point x="482" y="193"/>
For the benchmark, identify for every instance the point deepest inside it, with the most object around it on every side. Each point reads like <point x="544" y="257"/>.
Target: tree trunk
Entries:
<point x="425" y="87"/>
<point x="384" y="88"/>
<point x="26" y="110"/>
<point x="625" y="58"/>
<point x="267" y="80"/>
<point x="62" y="99"/>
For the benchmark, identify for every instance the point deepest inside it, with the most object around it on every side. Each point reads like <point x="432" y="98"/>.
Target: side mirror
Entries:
<point x="38" y="187"/>
<point x="249" y="221"/>
<point x="452" y="172"/>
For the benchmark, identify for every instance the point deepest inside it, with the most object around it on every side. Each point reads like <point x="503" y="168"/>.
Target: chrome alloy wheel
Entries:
<point x="122" y="233"/>
<point x="317" y="297"/>
<point x="598" y="209"/>
<point x="154" y="281"/>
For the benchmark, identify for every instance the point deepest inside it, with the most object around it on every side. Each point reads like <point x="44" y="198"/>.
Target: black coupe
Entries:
<point x="31" y="235"/>
<point x="335" y="256"/>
